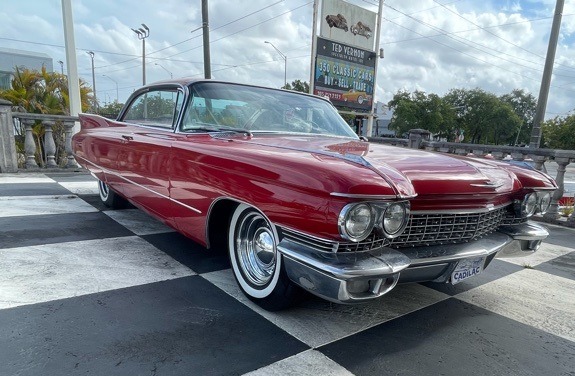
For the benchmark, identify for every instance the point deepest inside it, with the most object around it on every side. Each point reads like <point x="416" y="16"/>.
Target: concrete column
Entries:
<point x="30" y="144"/>
<point x="8" y="158"/>
<point x="49" y="144"/>
<point x="539" y="160"/>
<point x="553" y="212"/>
<point x="417" y="136"/>
<point x="69" y="128"/>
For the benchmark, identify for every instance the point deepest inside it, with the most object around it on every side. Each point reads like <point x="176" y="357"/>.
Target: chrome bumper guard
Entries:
<point x="360" y="276"/>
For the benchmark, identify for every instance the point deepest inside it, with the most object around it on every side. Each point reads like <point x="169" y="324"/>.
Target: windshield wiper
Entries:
<point x="221" y="130"/>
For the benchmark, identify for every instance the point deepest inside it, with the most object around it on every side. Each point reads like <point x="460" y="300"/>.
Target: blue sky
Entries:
<point x="430" y="45"/>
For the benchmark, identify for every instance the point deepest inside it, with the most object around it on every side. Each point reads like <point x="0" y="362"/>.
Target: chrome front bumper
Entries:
<point x="360" y="276"/>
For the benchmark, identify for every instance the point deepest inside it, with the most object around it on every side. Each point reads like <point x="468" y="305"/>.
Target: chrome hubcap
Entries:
<point x="256" y="250"/>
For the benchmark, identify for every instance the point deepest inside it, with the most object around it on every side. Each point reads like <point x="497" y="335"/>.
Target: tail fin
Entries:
<point x="88" y="121"/>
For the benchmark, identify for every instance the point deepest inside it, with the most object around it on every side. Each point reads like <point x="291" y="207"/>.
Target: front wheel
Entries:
<point x="256" y="262"/>
<point x="110" y="198"/>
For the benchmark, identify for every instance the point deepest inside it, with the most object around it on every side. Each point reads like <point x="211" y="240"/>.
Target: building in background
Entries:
<point x="10" y="58"/>
<point x="381" y="123"/>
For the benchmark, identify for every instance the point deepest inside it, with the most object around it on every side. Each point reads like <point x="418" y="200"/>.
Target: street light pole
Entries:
<point x="61" y="66"/>
<point x="164" y="68"/>
<point x="283" y="57"/>
<point x="142" y="33"/>
<point x="95" y="104"/>
<point x="116" y="82"/>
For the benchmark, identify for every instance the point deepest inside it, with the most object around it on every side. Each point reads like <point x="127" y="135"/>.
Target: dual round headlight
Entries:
<point x="529" y="205"/>
<point x="394" y="219"/>
<point x="544" y="201"/>
<point x="357" y="221"/>
<point x="535" y="202"/>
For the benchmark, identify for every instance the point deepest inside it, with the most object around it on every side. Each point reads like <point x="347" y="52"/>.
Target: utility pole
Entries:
<point x="95" y="103"/>
<point x="206" y="35"/>
<point x="142" y="33"/>
<point x="370" y="117"/>
<point x="546" y="80"/>
<point x="71" y="62"/>
<point x="313" y="47"/>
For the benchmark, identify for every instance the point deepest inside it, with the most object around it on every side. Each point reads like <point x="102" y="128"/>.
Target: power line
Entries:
<point x="244" y="29"/>
<point x="197" y="36"/>
<point x="468" y="43"/>
<point x="491" y="33"/>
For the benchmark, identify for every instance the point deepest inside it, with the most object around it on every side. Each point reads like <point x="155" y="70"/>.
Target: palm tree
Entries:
<point x="43" y="92"/>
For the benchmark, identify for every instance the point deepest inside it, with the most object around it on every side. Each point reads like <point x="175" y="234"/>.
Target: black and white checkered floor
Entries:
<point x="85" y="290"/>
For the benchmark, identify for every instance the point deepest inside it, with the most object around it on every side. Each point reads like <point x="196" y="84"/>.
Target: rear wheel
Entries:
<point x="256" y="263"/>
<point x="110" y="198"/>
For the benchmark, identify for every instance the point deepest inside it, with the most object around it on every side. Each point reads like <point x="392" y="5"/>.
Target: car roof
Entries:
<point x="185" y="81"/>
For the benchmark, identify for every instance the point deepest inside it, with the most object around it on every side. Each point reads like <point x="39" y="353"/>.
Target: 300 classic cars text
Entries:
<point x="299" y="201"/>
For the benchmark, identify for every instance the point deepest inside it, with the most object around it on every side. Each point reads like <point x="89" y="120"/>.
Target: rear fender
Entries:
<point x="90" y="121"/>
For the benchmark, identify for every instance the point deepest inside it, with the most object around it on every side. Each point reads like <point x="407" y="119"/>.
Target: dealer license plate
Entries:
<point x="467" y="268"/>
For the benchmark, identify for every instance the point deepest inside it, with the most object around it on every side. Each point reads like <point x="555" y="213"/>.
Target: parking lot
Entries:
<point x="86" y="290"/>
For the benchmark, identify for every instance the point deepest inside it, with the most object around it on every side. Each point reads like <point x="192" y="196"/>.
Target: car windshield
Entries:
<point x="217" y="106"/>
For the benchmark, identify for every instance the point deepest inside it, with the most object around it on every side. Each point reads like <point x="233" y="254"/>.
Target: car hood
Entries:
<point x="410" y="172"/>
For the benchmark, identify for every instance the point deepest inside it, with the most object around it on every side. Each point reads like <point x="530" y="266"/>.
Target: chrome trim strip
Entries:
<point x="487" y="185"/>
<point x="335" y="244"/>
<point x="106" y="171"/>
<point x="460" y="211"/>
<point x="366" y="197"/>
<point x="541" y="188"/>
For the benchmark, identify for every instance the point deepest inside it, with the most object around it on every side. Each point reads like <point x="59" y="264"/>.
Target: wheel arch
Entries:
<point x="218" y="221"/>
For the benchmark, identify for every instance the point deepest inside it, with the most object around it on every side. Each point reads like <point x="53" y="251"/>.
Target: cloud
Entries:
<point x="429" y="45"/>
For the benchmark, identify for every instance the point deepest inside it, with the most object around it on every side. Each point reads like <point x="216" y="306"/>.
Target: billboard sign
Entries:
<point x="348" y="23"/>
<point x="345" y="74"/>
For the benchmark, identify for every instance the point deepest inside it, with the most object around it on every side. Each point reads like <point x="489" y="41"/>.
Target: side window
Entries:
<point x="204" y="112"/>
<point x="157" y="108"/>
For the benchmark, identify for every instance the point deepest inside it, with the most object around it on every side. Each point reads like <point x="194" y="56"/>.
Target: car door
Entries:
<point x="144" y="160"/>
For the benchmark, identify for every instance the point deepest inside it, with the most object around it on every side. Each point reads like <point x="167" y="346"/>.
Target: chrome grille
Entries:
<point x="432" y="229"/>
<point x="422" y="230"/>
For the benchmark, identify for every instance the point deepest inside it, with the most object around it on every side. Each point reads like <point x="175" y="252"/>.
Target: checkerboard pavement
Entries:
<point x="87" y="290"/>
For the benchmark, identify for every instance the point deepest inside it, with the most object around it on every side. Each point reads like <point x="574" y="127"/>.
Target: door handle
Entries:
<point x="127" y="138"/>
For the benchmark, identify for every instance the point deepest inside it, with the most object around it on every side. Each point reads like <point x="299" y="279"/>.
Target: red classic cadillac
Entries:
<point x="300" y="201"/>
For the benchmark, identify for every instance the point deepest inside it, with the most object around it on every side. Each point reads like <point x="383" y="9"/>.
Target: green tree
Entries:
<point x="297" y="85"/>
<point x="42" y="92"/>
<point x="111" y="110"/>
<point x="525" y="105"/>
<point x="424" y="111"/>
<point x="484" y="117"/>
<point x="559" y="133"/>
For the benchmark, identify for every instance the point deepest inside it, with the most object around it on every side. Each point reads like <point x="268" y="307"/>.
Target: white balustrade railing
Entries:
<point x="536" y="157"/>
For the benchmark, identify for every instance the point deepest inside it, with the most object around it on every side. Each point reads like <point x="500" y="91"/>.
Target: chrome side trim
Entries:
<point x="106" y="171"/>
<point x="327" y="243"/>
<point x="365" y="197"/>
